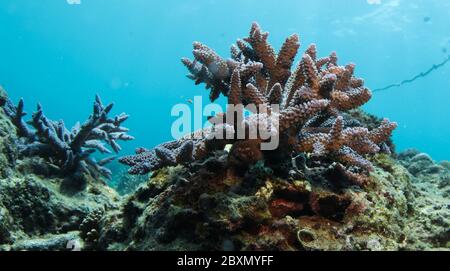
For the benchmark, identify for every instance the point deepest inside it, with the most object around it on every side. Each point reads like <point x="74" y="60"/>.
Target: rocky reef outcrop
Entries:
<point x="431" y="188"/>
<point x="206" y="207"/>
<point x="335" y="181"/>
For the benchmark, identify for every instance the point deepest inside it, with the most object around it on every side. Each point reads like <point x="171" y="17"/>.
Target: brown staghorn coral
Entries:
<point x="348" y="145"/>
<point x="312" y="99"/>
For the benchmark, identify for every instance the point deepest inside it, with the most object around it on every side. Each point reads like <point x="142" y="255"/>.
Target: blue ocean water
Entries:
<point x="62" y="54"/>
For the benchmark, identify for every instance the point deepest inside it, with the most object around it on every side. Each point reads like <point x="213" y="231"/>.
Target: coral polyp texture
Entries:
<point x="314" y="98"/>
<point x="71" y="151"/>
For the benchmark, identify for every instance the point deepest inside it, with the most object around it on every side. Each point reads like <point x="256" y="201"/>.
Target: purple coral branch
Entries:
<point x="71" y="150"/>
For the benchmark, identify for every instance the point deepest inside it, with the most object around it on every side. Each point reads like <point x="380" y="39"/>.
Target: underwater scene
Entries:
<point x="206" y="125"/>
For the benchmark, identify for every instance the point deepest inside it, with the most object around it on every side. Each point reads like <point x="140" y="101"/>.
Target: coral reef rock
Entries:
<point x="431" y="182"/>
<point x="206" y="207"/>
<point x="334" y="182"/>
<point x="123" y="182"/>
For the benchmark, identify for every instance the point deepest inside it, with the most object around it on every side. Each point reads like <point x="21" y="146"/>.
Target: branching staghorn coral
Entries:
<point x="189" y="148"/>
<point x="70" y="150"/>
<point x="311" y="99"/>
<point x="347" y="145"/>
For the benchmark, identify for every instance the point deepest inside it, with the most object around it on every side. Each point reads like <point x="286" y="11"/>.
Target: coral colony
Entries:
<point x="69" y="150"/>
<point x="291" y="164"/>
<point x="314" y="99"/>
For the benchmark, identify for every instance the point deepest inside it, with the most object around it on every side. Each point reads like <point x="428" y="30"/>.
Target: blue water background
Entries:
<point x="129" y="52"/>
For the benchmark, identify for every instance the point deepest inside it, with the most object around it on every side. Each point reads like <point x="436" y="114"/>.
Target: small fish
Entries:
<point x="228" y="147"/>
<point x="426" y="19"/>
<point x="189" y="101"/>
<point x="444" y="50"/>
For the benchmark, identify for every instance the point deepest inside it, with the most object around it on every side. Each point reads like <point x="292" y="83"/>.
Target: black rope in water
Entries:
<point x="420" y="75"/>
